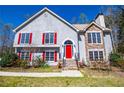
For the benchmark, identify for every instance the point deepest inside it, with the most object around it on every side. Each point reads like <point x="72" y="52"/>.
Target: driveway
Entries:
<point x="66" y="73"/>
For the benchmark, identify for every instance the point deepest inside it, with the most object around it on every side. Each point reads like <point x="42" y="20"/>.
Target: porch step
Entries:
<point x="70" y="65"/>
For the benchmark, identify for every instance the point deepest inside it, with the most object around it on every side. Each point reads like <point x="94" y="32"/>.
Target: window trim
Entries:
<point x="94" y="54"/>
<point x="49" y="55"/>
<point x="25" y="53"/>
<point x="91" y="32"/>
<point x="49" y="38"/>
<point x="25" y="35"/>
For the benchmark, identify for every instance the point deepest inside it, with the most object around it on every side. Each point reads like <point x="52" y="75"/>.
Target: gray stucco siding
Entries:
<point x="47" y="23"/>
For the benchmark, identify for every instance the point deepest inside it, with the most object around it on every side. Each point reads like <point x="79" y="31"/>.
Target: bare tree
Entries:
<point x="81" y="19"/>
<point x="6" y="37"/>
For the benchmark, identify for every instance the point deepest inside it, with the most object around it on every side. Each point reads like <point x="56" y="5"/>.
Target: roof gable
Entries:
<point x="100" y="27"/>
<point x="40" y="13"/>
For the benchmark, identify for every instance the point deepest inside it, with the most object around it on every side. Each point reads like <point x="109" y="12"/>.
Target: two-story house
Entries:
<point x="52" y="38"/>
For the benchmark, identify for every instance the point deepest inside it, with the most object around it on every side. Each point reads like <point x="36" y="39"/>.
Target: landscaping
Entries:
<point x="61" y="82"/>
<point x="11" y="63"/>
<point x="92" y="78"/>
<point x="31" y="69"/>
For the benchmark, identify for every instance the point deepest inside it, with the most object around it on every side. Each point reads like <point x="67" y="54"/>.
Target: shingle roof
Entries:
<point x="80" y="26"/>
<point x="83" y="27"/>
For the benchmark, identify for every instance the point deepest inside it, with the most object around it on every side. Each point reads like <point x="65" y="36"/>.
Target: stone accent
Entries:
<point x="93" y="28"/>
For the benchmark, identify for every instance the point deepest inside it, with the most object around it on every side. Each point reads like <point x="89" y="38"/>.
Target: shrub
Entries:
<point x="115" y="57"/>
<point x="81" y="65"/>
<point x="8" y="59"/>
<point x="59" y="65"/>
<point x="39" y="63"/>
<point x="23" y="64"/>
<point x="117" y="60"/>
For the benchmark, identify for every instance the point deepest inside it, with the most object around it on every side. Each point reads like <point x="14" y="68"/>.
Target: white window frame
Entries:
<point x="25" y="38"/>
<point x="49" y="38"/>
<point x="25" y="53"/>
<point x="94" y="54"/>
<point x="95" y="37"/>
<point x="49" y="55"/>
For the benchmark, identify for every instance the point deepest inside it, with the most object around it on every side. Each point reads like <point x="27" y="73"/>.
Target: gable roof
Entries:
<point x="39" y="13"/>
<point x="84" y="27"/>
<point x="80" y="26"/>
<point x="99" y="26"/>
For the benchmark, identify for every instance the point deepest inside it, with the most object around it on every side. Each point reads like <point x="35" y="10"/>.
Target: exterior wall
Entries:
<point x="38" y="52"/>
<point x="108" y="44"/>
<point x="90" y="46"/>
<point x="82" y="48"/>
<point x="48" y="23"/>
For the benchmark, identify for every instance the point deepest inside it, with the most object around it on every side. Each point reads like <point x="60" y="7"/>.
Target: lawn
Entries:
<point x="31" y="69"/>
<point x="60" y="82"/>
<point x="91" y="78"/>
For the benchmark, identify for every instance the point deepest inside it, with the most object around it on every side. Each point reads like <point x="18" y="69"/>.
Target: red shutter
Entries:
<point x="43" y="56"/>
<point x="55" y="38"/>
<point x="55" y="56"/>
<point x="19" y="55"/>
<point x="43" y="38"/>
<point x="30" y="59"/>
<point x="19" y="38"/>
<point x="30" y="38"/>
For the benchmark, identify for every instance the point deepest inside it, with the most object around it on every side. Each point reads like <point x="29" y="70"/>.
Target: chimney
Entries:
<point x="100" y="19"/>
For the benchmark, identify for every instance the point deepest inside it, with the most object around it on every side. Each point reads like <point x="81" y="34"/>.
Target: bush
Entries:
<point x="8" y="59"/>
<point x="39" y="63"/>
<point x="117" y="60"/>
<point x="115" y="57"/>
<point x="59" y="65"/>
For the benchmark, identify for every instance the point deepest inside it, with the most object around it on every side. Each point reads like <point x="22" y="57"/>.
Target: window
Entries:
<point x="98" y="38"/>
<point x="25" y="55"/>
<point x="25" y="38"/>
<point x="94" y="37"/>
<point x="49" y="38"/>
<point x="49" y="56"/>
<point x="89" y="38"/>
<point x="95" y="55"/>
<point x="101" y="55"/>
<point x="91" y="55"/>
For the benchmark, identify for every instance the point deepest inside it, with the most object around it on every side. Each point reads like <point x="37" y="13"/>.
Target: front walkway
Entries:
<point x="68" y="73"/>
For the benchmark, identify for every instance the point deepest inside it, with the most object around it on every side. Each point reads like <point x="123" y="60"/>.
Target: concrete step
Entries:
<point x="70" y="68"/>
<point x="70" y="65"/>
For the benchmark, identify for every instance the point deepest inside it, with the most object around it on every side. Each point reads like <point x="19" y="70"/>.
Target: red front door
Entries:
<point x="68" y="51"/>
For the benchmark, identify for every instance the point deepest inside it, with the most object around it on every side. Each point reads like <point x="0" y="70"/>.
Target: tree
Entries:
<point x="6" y="37"/>
<point x="121" y="31"/>
<point x="81" y="19"/>
<point x="111" y="21"/>
<point x="115" y="20"/>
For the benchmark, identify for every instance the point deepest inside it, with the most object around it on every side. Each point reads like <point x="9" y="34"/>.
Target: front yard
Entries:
<point x="91" y="78"/>
<point x="31" y="69"/>
<point x="61" y="82"/>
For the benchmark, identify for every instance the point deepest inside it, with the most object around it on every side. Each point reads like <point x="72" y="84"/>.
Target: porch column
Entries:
<point x="74" y="52"/>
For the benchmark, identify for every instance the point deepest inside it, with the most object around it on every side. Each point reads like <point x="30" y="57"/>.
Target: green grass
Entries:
<point x="31" y="69"/>
<point x="60" y="82"/>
